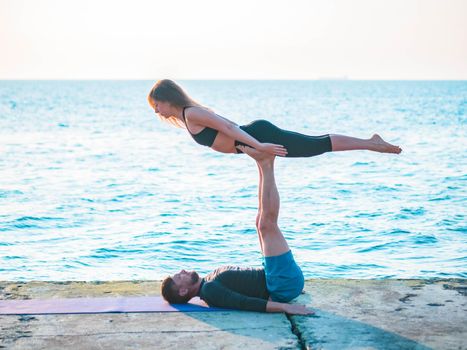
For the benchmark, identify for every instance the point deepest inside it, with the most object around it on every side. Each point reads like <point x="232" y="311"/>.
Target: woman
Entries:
<point x="207" y="128"/>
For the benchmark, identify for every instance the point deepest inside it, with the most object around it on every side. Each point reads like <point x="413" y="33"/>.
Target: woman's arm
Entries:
<point x="206" y="118"/>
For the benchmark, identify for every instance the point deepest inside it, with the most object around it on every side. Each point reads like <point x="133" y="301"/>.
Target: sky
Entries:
<point x="241" y="39"/>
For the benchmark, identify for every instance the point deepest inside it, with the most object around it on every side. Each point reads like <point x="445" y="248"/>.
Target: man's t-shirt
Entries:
<point x="235" y="288"/>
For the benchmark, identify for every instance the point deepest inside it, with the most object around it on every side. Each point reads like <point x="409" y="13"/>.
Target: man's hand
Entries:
<point x="297" y="309"/>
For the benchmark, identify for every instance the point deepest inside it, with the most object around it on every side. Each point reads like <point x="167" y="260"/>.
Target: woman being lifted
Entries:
<point x="207" y="128"/>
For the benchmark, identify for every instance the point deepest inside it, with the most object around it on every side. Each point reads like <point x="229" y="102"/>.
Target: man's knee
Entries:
<point x="267" y="223"/>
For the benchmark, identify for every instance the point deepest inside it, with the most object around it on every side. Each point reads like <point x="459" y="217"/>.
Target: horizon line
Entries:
<point x="231" y="79"/>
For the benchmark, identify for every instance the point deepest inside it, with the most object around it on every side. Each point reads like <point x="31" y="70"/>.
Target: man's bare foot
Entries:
<point x="259" y="156"/>
<point x="384" y="147"/>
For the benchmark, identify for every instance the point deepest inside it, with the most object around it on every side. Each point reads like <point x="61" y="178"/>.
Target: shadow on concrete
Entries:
<point x="330" y="331"/>
<point x="323" y="330"/>
<point x="270" y="328"/>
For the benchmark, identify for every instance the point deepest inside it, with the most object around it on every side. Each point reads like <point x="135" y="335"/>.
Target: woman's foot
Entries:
<point x="375" y="143"/>
<point x="382" y="146"/>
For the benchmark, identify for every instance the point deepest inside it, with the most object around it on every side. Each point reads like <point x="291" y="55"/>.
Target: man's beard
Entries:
<point x="194" y="277"/>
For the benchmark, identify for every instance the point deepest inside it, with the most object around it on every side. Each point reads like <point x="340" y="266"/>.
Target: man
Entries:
<point x="254" y="289"/>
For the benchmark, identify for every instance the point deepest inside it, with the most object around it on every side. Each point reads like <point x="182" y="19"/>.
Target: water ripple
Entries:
<point x="94" y="189"/>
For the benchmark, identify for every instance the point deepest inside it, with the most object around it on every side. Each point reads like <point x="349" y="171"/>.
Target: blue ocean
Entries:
<point x="93" y="186"/>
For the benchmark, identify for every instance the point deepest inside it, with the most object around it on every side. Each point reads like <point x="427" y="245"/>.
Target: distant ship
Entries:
<point x="344" y="77"/>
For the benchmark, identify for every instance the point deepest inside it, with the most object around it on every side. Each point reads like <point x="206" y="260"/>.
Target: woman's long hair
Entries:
<point x="166" y="90"/>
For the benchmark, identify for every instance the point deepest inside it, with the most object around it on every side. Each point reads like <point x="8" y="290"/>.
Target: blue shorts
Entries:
<point x="284" y="279"/>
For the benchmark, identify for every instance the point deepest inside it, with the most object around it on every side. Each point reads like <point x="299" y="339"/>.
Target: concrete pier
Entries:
<point x="350" y="314"/>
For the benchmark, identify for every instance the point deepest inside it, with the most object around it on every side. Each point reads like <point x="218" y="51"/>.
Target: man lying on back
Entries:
<point x="254" y="289"/>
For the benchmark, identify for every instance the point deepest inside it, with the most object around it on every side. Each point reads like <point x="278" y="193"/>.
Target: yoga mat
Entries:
<point x="99" y="305"/>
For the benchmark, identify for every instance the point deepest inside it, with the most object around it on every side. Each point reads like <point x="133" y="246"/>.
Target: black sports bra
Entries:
<point x="205" y="137"/>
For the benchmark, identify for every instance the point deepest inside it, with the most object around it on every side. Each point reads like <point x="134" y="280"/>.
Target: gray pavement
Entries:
<point x="350" y="314"/>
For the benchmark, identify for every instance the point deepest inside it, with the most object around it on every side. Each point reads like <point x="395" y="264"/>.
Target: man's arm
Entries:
<point x="293" y="309"/>
<point x="216" y="294"/>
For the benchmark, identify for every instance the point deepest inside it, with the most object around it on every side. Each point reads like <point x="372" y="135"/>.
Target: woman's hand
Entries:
<point x="277" y="150"/>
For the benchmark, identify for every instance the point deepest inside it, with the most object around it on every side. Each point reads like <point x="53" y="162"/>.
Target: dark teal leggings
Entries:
<point x="297" y="145"/>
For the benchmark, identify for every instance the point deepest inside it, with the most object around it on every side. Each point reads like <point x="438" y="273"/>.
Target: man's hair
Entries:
<point x="170" y="292"/>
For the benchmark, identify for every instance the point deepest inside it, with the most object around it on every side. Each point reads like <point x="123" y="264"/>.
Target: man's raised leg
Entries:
<point x="271" y="238"/>
<point x="258" y="215"/>
<point x="284" y="278"/>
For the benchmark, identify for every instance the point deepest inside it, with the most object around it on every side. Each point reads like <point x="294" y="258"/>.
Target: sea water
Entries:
<point x="93" y="186"/>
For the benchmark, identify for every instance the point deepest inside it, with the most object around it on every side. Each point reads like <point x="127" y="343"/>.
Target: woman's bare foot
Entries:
<point x="382" y="146"/>
<point x="256" y="155"/>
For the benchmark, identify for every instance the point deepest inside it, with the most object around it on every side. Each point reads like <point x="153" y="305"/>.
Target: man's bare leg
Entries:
<point x="258" y="215"/>
<point x="266" y="222"/>
<point x="273" y="241"/>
